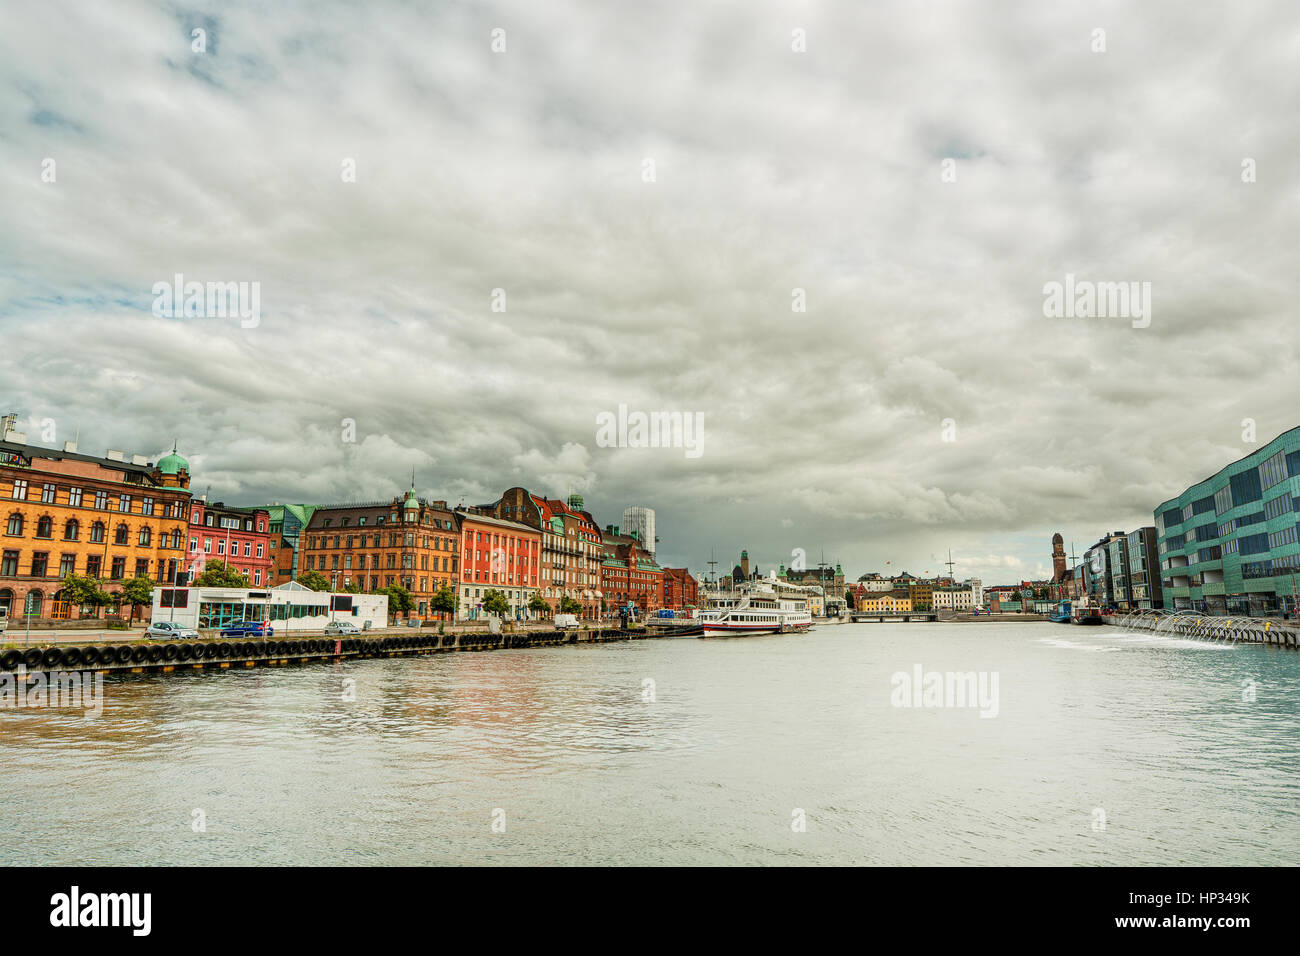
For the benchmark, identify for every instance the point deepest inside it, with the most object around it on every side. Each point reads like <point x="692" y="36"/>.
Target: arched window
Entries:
<point x="44" y="527"/>
<point x="146" y="536"/>
<point x="71" y="530"/>
<point x="15" y="524"/>
<point x="97" y="531"/>
<point x="120" y="536"/>
<point x="34" y="601"/>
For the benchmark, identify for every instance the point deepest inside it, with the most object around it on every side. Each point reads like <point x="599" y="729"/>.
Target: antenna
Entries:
<point x="949" y="562"/>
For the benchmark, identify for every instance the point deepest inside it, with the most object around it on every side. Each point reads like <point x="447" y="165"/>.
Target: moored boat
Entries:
<point x="757" y="607"/>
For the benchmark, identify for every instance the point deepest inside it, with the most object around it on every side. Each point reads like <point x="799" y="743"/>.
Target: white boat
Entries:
<point x="757" y="607"/>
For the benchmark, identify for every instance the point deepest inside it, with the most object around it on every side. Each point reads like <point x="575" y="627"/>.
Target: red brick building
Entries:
<point x="628" y="575"/>
<point x="681" y="590"/>
<point x="241" y="537"/>
<point x="500" y="554"/>
<point x="571" y="547"/>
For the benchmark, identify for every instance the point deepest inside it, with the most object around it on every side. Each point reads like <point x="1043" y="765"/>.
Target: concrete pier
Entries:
<point x="166" y="657"/>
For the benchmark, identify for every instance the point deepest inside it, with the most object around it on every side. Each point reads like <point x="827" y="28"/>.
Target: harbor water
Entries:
<point x="1084" y="746"/>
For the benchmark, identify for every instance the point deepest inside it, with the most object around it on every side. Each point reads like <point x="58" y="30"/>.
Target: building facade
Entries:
<point x="241" y="537"/>
<point x="681" y="590"/>
<point x="640" y="521"/>
<point x="628" y="575"/>
<point x="287" y="524"/>
<point x="1228" y="544"/>
<point x="409" y="541"/>
<point x="1145" y="588"/>
<point x="288" y="608"/>
<point x="64" y="512"/>
<point x="885" y="602"/>
<point x="571" y="546"/>
<point x="500" y="554"/>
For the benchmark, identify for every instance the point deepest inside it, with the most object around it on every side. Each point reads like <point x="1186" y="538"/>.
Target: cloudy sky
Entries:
<point x="648" y="184"/>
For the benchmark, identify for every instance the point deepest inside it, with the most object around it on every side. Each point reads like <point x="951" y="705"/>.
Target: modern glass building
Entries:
<point x="1228" y="545"/>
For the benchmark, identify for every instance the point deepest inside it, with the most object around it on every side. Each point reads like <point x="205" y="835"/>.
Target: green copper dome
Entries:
<point x="411" y="501"/>
<point x="173" y="463"/>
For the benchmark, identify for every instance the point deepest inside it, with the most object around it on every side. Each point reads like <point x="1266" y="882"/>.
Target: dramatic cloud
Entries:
<point x="648" y="190"/>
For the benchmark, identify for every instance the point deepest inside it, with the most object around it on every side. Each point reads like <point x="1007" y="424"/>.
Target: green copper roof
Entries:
<point x="173" y="463"/>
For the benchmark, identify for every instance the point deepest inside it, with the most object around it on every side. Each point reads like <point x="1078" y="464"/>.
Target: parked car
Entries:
<point x="248" y="629"/>
<point x="341" y="628"/>
<point x="159" y="630"/>
<point x="566" y="622"/>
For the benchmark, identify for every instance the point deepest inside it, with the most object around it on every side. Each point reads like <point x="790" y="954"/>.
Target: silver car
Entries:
<point x="341" y="628"/>
<point x="170" y="630"/>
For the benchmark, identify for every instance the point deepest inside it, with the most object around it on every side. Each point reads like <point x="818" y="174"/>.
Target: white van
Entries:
<point x="566" y="622"/>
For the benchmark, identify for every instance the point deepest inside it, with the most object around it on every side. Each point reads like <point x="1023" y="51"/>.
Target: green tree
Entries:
<point x="399" y="599"/>
<point x="314" y="580"/>
<point x="494" y="602"/>
<point x="84" y="590"/>
<point x="217" y="574"/>
<point x="445" y="601"/>
<point x="569" y="606"/>
<point x="537" y="604"/>
<point x="136" y="591"/>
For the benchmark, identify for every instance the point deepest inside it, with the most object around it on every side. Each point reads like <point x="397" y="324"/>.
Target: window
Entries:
<point x="1280" y="539"/>
<point x="20" y="489"/>
<point x="15" y="526"/>
<point x="67" y="564"/>
<point x="1254" y="544"/>
<point x="146" y="536"/>
<point x="9" y="564"/>
<point x="146" y="506"/>
<point x="119" y="569"/>
<point x="121" y="534"/>
<point x="124" y="503"/>
<point x="40" y="563"/>
<point x="1273" y="470"/>
<point x="1276" y="507"/>
<point x="93" y="565"/>
<point x="207" y="545"/>
<point x="1245" y="487"/>
<point x="71" y="529"/>
<point x="45" y="527"/>
<point x="74" y="497"/>
<point x="141" y="567"/>
<point x="48" y="493"/>
<point x="97" y="532"/>
<point x="221" y="546"/>
<point x="101" y="501"/>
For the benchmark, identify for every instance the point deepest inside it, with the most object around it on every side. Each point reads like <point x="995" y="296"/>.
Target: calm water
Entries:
<point x="1152" y="732"/>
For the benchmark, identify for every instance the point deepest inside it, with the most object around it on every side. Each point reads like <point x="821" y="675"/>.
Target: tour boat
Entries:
<point x="1082" y="612"/>
<point x="758" y="607"/>
<point x="1060" y="614"/>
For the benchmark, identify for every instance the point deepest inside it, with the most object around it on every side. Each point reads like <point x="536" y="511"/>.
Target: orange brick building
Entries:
<point x="408" y="541"/>
<point x="63" y="512"/>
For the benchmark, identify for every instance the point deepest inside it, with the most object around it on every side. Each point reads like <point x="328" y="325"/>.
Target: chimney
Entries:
<point x="139" y="460"/>
<point x="115" y="455"/>
<point x="70" y="446"/>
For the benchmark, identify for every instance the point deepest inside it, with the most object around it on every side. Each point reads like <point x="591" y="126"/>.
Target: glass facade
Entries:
<point x="1245" y="559"/>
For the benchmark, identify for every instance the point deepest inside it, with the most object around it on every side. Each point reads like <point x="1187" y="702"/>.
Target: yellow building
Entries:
<point x="885" y="602"/>
<point x="62" y="512"/>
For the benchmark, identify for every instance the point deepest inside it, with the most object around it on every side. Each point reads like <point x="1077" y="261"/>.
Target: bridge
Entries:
<point x="898" y="617"/>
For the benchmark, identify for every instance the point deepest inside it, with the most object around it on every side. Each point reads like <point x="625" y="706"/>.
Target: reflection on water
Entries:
<point x="1155" y="732"/>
